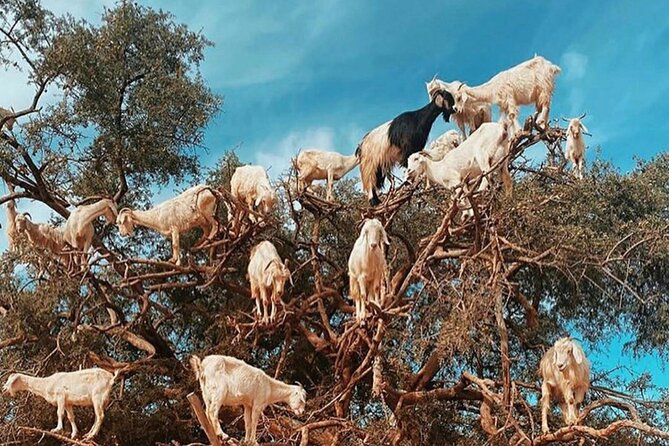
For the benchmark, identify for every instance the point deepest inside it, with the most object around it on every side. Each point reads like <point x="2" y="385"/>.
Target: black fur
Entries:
<point x="409" y="131"/>
<point x="374" y="201"/>
<point x="380" y="177"/>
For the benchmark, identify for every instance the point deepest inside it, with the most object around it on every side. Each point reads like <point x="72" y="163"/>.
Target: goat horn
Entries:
<point x="461" y="85"/>
<point x="582" y="116"/>
<point x="27" y="214"/>
<point x="564" y="119"/>
<point x="426" y="154"/>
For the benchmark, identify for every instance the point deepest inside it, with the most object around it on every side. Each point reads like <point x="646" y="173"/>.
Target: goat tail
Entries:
<point x="196" y="365"/>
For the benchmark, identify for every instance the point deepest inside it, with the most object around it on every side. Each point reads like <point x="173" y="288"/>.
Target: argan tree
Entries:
<point x="471" y="304"/>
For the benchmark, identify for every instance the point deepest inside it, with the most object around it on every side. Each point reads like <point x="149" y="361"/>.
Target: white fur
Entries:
<point x="268" y="276"/>
<point x="194" y="208"/>
<point x="530" y="82"/>
<point x="470" y="115"/>
<point x="444" y="143"/>
<point x="476" y="155"/>
<point x="321" y="165"/>
<point x="565" y="372"/>
<point x="367" y="267"/>
<point x="575" y="147"/>
<point x="228" y="381"/>
<point x="12" y="233"/>
<point x="43" y="235"/>
<point x="250" y="184"/>
<point x="78" y="230"/>
<point x="11" y="121"/>
<point x="88" y="387"/>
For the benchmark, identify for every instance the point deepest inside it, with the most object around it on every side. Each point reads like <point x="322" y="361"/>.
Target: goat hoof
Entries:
<point x="57" y="429"/>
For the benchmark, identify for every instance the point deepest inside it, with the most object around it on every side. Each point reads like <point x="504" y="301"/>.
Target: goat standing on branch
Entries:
<point x="531" y="82"/>
<point x="78" y="230"/>
<point x="444" y="143"/>
<point x="268" y="276"/>
<point x="9" y="123"/>
<point x="228" y="381"/>
<point x="475" y="156"/>
<point x="194" y="208"/>
<point x="393" y="142"/>
<point x="469" y="115"/>
<point x="88" y="387"/>
<point x="565" y="372"/>
<point x="250" y="185"/>
<point x="43" y="235"/>
<point x="367" y="267"/>
<point x="575" y="147"/>
<point x="12" y="233"/>
<point x="320" y="165"/>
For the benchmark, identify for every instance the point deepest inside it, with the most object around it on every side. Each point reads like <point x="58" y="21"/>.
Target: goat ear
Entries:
<point x="585" y="129"/>
<point x="257" y="202"/>
<point x="578" y="354"/>
<point x="426" y="154"/>
<point x="385" y="238"/>
<point x="439" y="101"/>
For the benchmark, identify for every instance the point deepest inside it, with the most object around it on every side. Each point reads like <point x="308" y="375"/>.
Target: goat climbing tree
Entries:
<point x="470" y="307"/>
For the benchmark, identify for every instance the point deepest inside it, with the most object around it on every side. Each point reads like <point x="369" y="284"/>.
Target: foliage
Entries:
<point x="467" y="300"/>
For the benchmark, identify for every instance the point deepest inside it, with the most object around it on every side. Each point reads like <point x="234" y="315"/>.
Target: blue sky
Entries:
<point x="298" y="74"/>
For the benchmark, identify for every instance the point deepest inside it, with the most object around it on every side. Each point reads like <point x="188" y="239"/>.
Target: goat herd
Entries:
<point x="451" y="160"/>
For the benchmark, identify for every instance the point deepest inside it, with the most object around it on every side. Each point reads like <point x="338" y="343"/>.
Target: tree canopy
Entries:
<point x="471" y="304"/>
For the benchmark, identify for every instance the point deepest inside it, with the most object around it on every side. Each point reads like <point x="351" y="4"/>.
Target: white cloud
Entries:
<point x="574" y="64"/>
<point x="276" y="155"/>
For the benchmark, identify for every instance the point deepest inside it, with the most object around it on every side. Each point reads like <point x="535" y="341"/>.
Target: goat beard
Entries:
<point x="446" y="115"/>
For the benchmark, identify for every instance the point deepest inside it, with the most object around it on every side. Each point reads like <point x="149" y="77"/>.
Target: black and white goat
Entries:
<point x="393" y="142"/>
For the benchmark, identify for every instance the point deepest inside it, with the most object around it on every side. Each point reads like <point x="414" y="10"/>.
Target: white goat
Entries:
<point x="267" y="275"/>
<point x="575" y="147"/>
<point x="88" y="387"/>
<point x="470" y="115"/>
<point x="367" y="267"/>
<point x="320" y="165"/>
<point x="78" y="230"/>
<point x="476" y="155"/>
<point x="12" y="233"/>
<point x="531" y="82"/>
<point x="11" y="121"/>
<point x="194" y="208"/>
<point x="228" y="381"/>
<point x="250" y="184"/>
<point x="43" y="235"/>
<point x="441" y="146"/>
<point x="565" y="372"/>
<point x="444" y="143"/>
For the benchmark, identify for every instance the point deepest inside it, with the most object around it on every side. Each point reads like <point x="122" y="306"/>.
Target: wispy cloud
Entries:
<point x="276" y="155"/>
<point x="574" y="65"/>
